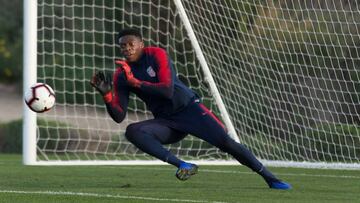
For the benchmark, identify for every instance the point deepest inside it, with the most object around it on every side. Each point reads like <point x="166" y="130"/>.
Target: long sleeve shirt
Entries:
<point x="161" y="90"/>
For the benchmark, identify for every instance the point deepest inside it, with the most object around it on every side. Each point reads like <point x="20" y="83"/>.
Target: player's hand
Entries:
<point x="131" y="80"/>
<point x="102" y="83"/>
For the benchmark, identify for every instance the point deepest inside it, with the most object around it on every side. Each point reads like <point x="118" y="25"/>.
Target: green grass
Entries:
<point x="158" y="184"/>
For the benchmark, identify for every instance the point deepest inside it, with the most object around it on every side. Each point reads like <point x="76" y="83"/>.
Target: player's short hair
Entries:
<point x="129" y="31"/>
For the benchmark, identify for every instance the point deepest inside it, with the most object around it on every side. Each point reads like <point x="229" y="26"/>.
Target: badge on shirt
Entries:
<point x="151" y="71"/>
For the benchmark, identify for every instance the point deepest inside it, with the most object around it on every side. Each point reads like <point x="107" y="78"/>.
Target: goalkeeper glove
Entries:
<point x="103" y="84"/>
<point x="131" y="80"/>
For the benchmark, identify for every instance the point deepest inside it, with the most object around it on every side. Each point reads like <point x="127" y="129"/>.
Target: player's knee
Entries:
<point x="131" y="132"/>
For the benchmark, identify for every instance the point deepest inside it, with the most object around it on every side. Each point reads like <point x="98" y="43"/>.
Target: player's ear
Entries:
<point x="142" y="44"/>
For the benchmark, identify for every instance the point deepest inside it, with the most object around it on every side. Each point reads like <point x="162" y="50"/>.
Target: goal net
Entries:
<point x="284" y="73"/>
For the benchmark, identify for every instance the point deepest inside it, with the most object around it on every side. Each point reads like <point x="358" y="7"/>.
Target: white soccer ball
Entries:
<point x="40" y="97"/>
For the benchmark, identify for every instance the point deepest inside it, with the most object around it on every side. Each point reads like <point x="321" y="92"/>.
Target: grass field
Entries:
<point x="158" y="184"/>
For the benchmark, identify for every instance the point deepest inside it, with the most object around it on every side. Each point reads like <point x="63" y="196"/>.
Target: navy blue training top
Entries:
<point x="161" y="90"/>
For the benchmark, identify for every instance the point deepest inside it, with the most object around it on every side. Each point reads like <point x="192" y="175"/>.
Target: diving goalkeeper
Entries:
<point x="148" y="72"/>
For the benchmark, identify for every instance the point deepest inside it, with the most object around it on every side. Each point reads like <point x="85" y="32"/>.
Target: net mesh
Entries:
<point x="288" y="72"/>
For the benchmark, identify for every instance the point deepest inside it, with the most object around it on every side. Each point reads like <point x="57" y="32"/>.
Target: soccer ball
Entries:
<point x="40" y="97"/>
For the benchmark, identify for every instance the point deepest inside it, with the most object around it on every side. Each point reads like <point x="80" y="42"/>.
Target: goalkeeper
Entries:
<point x="148" y="72"/>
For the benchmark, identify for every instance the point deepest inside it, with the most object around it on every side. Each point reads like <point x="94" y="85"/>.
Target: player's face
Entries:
<point x="131" y="47"/>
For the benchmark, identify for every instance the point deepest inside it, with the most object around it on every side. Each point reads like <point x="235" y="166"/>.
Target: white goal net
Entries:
<point x="287" y="71"/>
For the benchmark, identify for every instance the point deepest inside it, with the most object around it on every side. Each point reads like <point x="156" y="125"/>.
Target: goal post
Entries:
<point x="282" y="75"/>
<point x="207" y="73"/>
<point x="29" y="78"/>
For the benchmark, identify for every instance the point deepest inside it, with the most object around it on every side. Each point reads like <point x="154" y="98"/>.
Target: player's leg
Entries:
<point x="205" y="125"/>
<point x="150" y="135"/>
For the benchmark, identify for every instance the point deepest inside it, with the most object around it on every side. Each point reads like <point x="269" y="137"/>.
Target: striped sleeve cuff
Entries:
<point x="108" y="97"/>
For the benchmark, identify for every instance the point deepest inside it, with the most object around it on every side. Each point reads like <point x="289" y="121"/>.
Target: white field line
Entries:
<point x="82" y="194"/>
<point x="240" y="172"/>
<point x="288" y="174"/>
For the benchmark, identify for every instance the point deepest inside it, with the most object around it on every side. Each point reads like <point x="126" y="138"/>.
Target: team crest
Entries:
<point x="151" y="71"/>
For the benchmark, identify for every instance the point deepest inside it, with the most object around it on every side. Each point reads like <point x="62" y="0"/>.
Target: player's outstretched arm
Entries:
<point x="116" y="102"/>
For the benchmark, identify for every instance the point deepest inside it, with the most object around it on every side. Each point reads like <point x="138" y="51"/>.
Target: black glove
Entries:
<point x="101" y="83"/>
